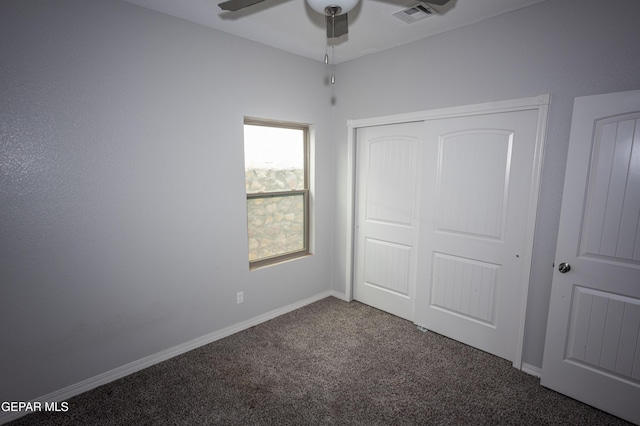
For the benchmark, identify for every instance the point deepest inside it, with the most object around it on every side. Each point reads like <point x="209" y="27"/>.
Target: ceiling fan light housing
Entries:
<point x="321" y="6"/>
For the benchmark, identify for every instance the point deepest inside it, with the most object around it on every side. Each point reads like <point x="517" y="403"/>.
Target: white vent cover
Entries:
<point x="415" y="13"/>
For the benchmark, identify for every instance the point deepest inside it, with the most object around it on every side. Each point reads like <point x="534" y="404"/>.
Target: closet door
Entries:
<point x="388" y="176"/>
<point x="477" y="204"/>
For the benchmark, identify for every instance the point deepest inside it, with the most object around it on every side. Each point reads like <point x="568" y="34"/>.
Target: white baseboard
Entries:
<point x="132" y="367"/>
<point x="531" y="369"/>
<point x="338" y="295"/>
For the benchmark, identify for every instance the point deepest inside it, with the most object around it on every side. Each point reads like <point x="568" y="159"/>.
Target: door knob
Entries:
<point x="564" y="267"/>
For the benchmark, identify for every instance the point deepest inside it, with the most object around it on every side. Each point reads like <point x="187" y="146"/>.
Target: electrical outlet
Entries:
<point x="240" y="297"/>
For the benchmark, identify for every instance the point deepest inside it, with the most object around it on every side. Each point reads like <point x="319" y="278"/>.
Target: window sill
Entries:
<point x="268" y="264"/>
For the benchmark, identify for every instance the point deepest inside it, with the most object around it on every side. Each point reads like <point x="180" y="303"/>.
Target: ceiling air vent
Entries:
<point x="415" y="13"/>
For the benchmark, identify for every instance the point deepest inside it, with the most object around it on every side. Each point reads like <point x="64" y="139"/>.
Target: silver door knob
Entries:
<point x="564" y="268"/>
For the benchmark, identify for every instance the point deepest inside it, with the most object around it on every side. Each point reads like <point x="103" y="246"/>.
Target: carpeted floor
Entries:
<point x="331" y="362"/>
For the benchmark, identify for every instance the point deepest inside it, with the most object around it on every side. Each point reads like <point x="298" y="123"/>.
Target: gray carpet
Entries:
<point x="331" y="362"/>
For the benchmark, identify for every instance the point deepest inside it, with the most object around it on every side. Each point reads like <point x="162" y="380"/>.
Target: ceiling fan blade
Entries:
<point x="437" y="2"/>
<point x="337" y="26"/>
<point x="234" y="5"/>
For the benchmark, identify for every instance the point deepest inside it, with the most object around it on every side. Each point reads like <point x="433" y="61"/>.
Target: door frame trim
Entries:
<point x="540" y="103"/>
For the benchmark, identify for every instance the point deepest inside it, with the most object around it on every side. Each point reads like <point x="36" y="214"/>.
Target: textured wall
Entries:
<point x="122" y="201"/>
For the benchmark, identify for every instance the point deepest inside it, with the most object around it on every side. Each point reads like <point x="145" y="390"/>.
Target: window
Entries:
<point x="276" y="158"/>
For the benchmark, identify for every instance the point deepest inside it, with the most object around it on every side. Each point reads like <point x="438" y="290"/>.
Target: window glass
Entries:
<point x="276" y="172"/>
<point x="276" y="226"/>
<point x="274" y="158"/>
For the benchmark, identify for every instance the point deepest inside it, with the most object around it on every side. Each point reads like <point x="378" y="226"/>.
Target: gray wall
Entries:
<point x="122" y="207"/>
<point x="567" y="48"/>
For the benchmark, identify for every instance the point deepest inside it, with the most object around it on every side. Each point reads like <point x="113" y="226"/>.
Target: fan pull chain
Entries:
<point x="326" y="61"/>
<point x="333" y="46"/>
<point x="333" y="67"/>
<point x="331" y="12"/>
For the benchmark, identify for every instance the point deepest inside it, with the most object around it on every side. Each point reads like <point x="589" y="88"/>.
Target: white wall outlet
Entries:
<point x="240" y="297"/>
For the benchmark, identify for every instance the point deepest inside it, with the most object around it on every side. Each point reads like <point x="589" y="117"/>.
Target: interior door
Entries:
<point x="388" y="176"/>
<point x="592" y="348"/>
<point x="477" y="201"/>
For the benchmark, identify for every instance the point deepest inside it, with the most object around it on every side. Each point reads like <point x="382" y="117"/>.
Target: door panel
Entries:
<point x="611" y="230"/>
<point x="390" y="177"/>
<point x="465" y="287"/>
<point x="476" y="204"/>
<point x="473" y="206"/>
<point x="592" y="348"/>
<point x="387" y="220"/>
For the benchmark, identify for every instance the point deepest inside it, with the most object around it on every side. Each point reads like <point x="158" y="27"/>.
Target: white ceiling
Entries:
<point x="293" y="26"/>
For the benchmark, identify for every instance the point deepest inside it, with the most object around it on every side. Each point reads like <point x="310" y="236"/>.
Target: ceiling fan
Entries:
<point x="335" y="11"/>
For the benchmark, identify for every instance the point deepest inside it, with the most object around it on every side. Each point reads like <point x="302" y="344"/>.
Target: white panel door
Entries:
<point x="592" y="348"/>
<point x="387" y="217"/>
<point x="477" y="202"/>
